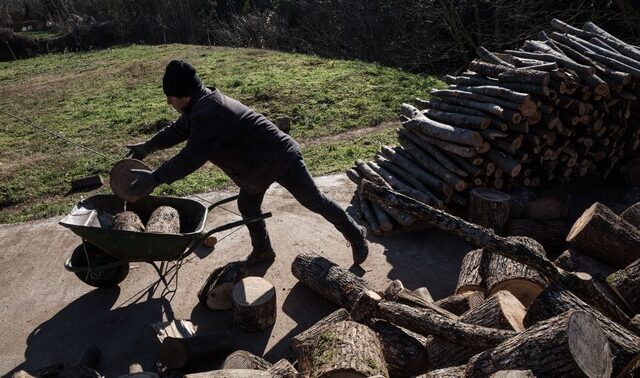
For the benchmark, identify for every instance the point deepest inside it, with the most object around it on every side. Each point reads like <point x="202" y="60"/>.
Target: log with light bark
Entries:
<point x="176" y="353"/>
<point x="409" y="178"/>
<point x="626" y="284"/>
<point x="523" y="250"/>
<point x="634" y="325"/>
<point x="347" y="348"/>
<point x="241" y="359"/>
<point x="513" y="374"/>
<point x="164" y="220"/>
<point x="458" y="119"/>
<point x="502" y="273"/>
<point x="399" y="185"/>
<point x="603" y="235"/>
<point x="489" y="208"/>
<point x="396" y="292"/>
<point x="460" y="303"/>
<point x="308" y="336"/>
<point x="402" y="349"/>
<point x="575" y="261"/>
<point x="215" y="293"/>
<point x="127" y="221"/>
<point x="632" y="215"/>
<point x="426" y="140"/>
<point x="555" y="300"/>
<point x="470" y="277"/>
<point x="440" y="130"/>
<point x="367" y="212"/>
<point x="282" y="369"/>
<point x="551" y="234"/>
<point x="571" y="344"/>
<point x="254" y="304"/>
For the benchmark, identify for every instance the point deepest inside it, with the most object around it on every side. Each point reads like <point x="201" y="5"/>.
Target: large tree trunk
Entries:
<point x="164" y="220"/>
<point x="489" y="208"/>
<point x="460" y="303"/>
<point x="347" y="348"/>
<point x="555" y="300"/>
<point x="254" y="304"/>
<point x="571" y="344"/>
<point x="470" y="278"/>
<point x="603" y="235"/>
<point x="176" y="353"/>
<point x="216" y="291"/>
<point x="308" y="336"/>
<point x="626" y="284"/>
<point x="401" y="348"/>
<point x="574" y="261"/>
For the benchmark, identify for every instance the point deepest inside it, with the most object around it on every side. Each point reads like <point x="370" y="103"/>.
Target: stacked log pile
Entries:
<point x="560" y="107"/>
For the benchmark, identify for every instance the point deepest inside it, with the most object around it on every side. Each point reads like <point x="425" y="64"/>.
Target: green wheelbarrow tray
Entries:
<point x="90" y="219"/>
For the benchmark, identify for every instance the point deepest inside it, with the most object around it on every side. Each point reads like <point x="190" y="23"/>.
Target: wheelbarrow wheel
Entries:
<point x="102" y="278"/>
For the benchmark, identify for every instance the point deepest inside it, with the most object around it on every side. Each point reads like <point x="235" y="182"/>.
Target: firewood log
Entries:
<point x="458" y="149"/>
<point x="403" y="175"/>
<point x="241" y="359"/>
<point x="369" y="216"/>
<point x="164" y="220"/>
<point x="619" y="45"/>
<point x="282" y="369"/>
<point x="626" y="284"/>
<point x="127" y="221"/>
<point x="431" y="181"/>
<point x="570" y="344"/>
<point x="308" y="336"/>
<point x="458" y="304"/>
<point x="399" y="185"/>
<point x="397" y="293"/>
<point x="487" y="56"/>
<point x="574" y="261"/>
<point x="215" y="293"/>
<point x="231" y="373"/>
<point x="489" y="208"/>
<point x="436" y="104"/>
<point x="504" y="161"/>
<point x="550" y="234"/>
<point x="634" y="325"/>
<point x="450" y="372"/>
<point x="502" y="273"/>
<point x="402" y="349"/>
<point x="605" y="236"/>
<point x="632" y="215"/>
<point x="440" y="130"/>
<point x="254" y="304"/>
<point x="513" y="374"/>
<point x="458" y="119"/>
<point x="176" y="353"/>
<point x="470" y="277"/>
<point x="555" y="300"/>
<point x="347" y="347"/>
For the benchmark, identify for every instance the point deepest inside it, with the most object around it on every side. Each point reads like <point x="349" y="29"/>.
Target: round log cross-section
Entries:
<point x="489" y="208"/>
<point x="254" y="304"/>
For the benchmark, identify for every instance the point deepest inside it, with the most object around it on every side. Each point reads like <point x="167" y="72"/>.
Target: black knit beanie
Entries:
<point x="180" y="79"/>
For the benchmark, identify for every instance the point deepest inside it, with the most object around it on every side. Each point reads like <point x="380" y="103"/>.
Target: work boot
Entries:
<point x="262" y="252"/>
<point x="359" y="246"/>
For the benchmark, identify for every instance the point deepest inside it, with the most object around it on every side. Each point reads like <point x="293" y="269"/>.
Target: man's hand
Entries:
<point x="138" y="151"/>
<point x="144" y="183"/>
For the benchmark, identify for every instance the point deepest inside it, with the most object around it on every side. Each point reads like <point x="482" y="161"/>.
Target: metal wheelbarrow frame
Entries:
<point x="90" y="220"/>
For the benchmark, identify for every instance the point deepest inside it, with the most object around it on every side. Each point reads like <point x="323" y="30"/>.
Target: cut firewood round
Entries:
<point x="164" y="220"/>
<point x="470" y="278"/>
<point x="128" y="221"/>
<point x="502" y="273"/>
<point x="254" y="304"/>
<point x="489" y="208"/>
<point x="241" y="359"/>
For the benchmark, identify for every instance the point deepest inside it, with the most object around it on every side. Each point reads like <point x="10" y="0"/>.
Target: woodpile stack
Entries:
<point x="560" y="107"/>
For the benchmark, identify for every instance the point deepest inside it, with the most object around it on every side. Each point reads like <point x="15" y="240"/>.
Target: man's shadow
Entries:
<point x="123" y="334"/>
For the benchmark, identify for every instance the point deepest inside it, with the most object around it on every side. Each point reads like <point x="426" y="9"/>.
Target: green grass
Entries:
<point x="41" y="34"/>
<point x="108" y="98"/>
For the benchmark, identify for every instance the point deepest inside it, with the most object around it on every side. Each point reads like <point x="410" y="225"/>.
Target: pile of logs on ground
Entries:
<point x="514" y="312"/>
<point x="563" y="106"/>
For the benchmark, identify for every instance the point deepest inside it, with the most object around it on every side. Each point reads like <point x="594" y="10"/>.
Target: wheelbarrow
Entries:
<point x="102" y="260"/>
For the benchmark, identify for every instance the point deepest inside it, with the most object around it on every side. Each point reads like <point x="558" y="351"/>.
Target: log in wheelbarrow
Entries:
<point x="102" y="260"/>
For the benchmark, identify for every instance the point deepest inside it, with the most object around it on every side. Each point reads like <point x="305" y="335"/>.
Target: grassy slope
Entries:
<point x="109" y="98"/>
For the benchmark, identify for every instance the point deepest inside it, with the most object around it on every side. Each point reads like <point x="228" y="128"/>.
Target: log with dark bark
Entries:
<point x="282" y="369"/>
<point x="458" y="119"/>
<point x="254" y="304"/>
<point x="450" y="372"/>
<point x="164" y="220"/>
<point x="460" y="303"/>
<point x="127" y="221"/>
<point x="347" y="347"/>
<point x="311" y="333"/>
<point x="632" y="215"/>
<point x="603" y="235"/>
<point x="402" y="349"/>
<point x="502" y="273"/>
<point x="508" y="164"/>
<point x="521" y="249"/>
<point x="489" y="208"/>
<point x="87" y="182"/>
<point x="429" y="180"/>
<point x="399" y="185"/>
<point x="366" y="210"/>
<point x="176" y="353"/>
<point x="574" y="261"/>
<point x="626" y="284"/>
<point x="551" y="234"/>
<point x="241" y="359"/>
<point x="216" y="291"/>
<point x="470" y="278"/>
<point x="555" y="300"/>
<point x="571" y="344"/>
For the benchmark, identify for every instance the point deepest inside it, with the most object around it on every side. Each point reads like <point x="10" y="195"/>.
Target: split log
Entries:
<point x="603" y="235"/>
<point x="632" y="215"/>
<point x="254" y="304"/>
<point x="216" y="291"/>
<point x="127" y="221"/>
<point x="574" y="261"/>
<point x="347" y="347"/>
<point x="550" y="234"/>
<point x="164" y="220"/>
<point x="571" y="344"/>
<point x="402" y="349"/>
<point x="242" y="359"/>
<point x="440" y="130"/>
<point x="231" y="373"/>
<point x="520" y="249"/>
<point x="489" y="208"/>
<point x="176" y="353"/>
<point x="470" y="278"/>
<point x="555" y="300"/>
<point x="548" y="207"/>
<point x="308" y="336"/>
<point x="460" y="303"/>
<point x="502" y="273"/>
<point x="328" y="279"/>
<point x="282" y="369"/>
<point x="626" y="284"/>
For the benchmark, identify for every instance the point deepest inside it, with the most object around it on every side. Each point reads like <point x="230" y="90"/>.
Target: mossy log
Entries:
<point x="307" y="336"/>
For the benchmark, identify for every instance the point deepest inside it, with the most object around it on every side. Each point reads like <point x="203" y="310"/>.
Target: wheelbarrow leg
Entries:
<point x="161" y="273"/>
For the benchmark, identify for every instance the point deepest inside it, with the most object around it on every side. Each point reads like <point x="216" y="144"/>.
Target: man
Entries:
<point x="248" y="147"/>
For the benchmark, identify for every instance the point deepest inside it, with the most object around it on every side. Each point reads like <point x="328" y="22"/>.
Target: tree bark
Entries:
<point x="555" y="300"/>
<point x="402" y="349"/>
<point x="440" y="130"/>
<point x="550" y="234"/>
<point x="450" y="372"/>
<point x="431" y="181"/>
<point x="309" y="335"/>
<point x="164" y="220"/>
<point x="470" y="278"/>
<point x="626" y="284"/>
<point x="397" y="293"/>
<point x="632" y="215"/>
<point x="458" y="119"/>
<point x="254" y="304"/>
<point x="216" y="291"/>
<point x="574" y="261"/>
<point x="127" y="221"/>
<point x="502" y="273"/>
<point x="231" y="373"/>
<point x="282" y="369"/>
<point x="489" y="208"/>
<point x="460" y="303"/>
<point x="508" y="164"/>
<point x="176" y="353"/>
<point x="603" y="235"/>
<point x="242" y="359"/>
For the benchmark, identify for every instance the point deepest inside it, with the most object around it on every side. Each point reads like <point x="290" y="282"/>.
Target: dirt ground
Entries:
<point x="50" y="316"/>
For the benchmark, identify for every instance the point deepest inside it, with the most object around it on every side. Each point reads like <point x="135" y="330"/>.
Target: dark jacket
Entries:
<point x="248" y="147"/>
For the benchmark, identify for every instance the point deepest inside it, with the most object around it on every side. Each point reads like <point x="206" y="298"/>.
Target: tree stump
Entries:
<point x="570" y="344"/>
<point x="127" y="221"/>
<point x="555" y="300"/>
<point x="308" y="336"/>
<point x="460" y="303"/>
<point x="502" y="273"/>
<point x="347" y="348"/>
<point x="489" y="208"/>
<point x="254" y="304"/>
<point x="242" y="359"/>
<point x="282" y="369"/>
<point x="176" y="353"/>
<point x="574" y="261"/>
<point x="632" y="215"/>
<point x="401" y="347"/>
<point x="551" y="234"/>
<point x="470" y="278"/>
<point x="164" y="220"/>
<point x="626" y="284"/>
<point x="216" y="291"/>
<point x="603" y="235"/>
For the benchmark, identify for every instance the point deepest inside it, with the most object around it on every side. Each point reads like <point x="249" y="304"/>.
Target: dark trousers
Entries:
<point x="300" y="184"/>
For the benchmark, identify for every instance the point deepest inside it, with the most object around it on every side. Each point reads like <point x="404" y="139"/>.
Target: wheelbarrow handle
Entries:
<point x="224" y="227"/>
<point x="222" y="201"/>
